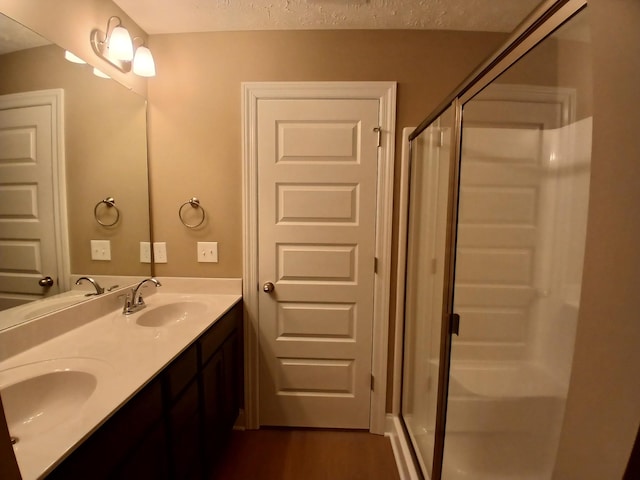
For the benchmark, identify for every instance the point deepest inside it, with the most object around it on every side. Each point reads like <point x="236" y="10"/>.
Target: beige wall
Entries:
<point x="195" y="117"/>
<point x="105" y="155"/>
<point x="603" y="407"/>
<point x="561" y="63"/>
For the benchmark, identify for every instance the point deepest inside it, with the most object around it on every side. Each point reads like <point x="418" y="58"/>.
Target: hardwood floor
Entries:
<point x="306" y="454"/>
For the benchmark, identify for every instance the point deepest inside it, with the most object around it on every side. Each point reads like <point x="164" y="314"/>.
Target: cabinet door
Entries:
<point x="104" y="452"/>
<point x="184" y="434"/>
<point x="149" y="460"/>
<point x="232" y="388"/>
<point x="213" y="387"/>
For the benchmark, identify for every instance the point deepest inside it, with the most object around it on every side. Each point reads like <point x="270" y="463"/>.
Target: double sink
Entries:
<point x="55" y="395"/>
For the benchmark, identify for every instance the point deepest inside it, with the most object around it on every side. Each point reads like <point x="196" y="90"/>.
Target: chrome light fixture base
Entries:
<point x="99" y="45"/>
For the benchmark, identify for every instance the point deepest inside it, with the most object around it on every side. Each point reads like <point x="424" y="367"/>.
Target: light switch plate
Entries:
<point x="101" y="250"/>
<point x="145" y="252"/>
<point x="208" y="252"/>
<point x="159" y="252"/>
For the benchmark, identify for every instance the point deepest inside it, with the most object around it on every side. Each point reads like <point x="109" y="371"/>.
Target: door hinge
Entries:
<point x="372" y="381"/>
<point x="375" y="264"/>
<point x="378" y="130"/>
<point x="454" y="321"/>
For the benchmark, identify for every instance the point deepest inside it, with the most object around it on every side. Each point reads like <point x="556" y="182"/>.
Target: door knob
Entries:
<point x="268" y="287"/>
<point x="46" y="282"/>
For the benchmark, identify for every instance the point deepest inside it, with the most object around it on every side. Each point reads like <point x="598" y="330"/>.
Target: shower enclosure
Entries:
<point x="498" y="200"/>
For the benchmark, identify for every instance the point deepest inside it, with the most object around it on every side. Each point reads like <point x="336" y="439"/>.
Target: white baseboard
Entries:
<point x="240" y="421"/>
<point x="401" y="449"/>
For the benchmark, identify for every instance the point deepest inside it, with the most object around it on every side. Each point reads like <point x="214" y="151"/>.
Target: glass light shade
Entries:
<point x="100" y="73"/>
<point x="120" y="45"/>
<point x="72" y="58"/>
<point x="143" y="63"/>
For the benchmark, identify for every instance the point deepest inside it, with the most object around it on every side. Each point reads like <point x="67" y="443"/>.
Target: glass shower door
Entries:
<point x="424" y="283"/>
<point x="524" y="182"/>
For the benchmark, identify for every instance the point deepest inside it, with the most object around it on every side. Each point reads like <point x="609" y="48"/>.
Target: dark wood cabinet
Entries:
<point x="175" y="425"/>
<point x="221" y="399"/>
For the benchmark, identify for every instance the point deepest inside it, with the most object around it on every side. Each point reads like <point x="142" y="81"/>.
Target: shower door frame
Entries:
<point x="543" y="21"/>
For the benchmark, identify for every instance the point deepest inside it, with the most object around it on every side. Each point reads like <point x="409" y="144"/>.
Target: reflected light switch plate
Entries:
<point x="100" y="250"/>
<point x="159" y="252"/>
<point x="145" y="252"/>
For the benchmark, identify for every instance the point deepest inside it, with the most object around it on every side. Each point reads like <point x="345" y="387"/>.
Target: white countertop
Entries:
<point x="121" y="354"/>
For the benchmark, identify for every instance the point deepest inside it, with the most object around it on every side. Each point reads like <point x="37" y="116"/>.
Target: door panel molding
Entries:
<point x="54" y="100"/>
<point x="385" y="93"/>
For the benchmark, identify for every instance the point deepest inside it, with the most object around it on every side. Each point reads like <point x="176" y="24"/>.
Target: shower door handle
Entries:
<point x="454" y="322"/>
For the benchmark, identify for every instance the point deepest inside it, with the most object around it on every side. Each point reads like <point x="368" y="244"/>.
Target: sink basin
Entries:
<point x="171" y="314"/>
<point x="43" y="395"/>
<point x="43" y="402"/>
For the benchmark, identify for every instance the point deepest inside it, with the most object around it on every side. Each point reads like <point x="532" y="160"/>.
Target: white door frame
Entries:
<point x="53" y="98"/>
<point x="385" y="92"/>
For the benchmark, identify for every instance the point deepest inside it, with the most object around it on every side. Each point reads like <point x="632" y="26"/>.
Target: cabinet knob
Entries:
<point x="46" y="282"/>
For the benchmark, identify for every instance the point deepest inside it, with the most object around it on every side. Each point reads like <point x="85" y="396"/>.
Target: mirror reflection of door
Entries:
<point x="28" y="257"/>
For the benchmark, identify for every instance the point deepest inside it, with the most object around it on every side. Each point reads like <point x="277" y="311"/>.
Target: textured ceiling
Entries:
<point x="176" y="16"/>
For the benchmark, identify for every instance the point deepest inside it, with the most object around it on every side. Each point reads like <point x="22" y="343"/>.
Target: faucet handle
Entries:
<point x="140" y="301"/>
<point x="126" y="308"/>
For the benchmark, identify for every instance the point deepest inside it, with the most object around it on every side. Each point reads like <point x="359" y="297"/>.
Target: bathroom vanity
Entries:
<point x="148" y="395"/>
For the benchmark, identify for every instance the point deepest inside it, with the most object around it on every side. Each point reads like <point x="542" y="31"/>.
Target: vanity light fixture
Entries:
<point x="116" y="47"/>
<point x="143" y="64"/>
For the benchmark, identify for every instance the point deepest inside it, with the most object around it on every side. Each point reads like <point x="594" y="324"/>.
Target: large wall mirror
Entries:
<point x="69" y="142"/>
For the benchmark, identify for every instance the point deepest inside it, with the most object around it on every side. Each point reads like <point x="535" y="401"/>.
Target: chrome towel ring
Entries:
<point x="195" y="203"/>
<point x="110" y="203"/>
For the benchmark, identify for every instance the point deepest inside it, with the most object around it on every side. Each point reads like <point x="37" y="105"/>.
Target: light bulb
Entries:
<point x="120" y="45"/>
<point x="143" y="63"/>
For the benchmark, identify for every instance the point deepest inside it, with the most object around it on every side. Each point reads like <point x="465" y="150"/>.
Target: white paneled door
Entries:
<point x="27" y="230"/>
<point x="317" y="174"/>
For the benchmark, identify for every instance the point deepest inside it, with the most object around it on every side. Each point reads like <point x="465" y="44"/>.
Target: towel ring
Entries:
<point x="110" y="203"/>
<point x="195" y="203"/>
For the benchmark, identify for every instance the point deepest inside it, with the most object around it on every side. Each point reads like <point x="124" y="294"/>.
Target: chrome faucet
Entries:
<point x="134" y="301"/>
<point x="96" y="285"/>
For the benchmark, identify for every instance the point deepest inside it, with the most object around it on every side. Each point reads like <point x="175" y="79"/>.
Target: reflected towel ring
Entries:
<point x="195" y="203"/>
<point x="110" y="203"/>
